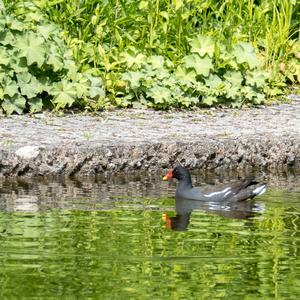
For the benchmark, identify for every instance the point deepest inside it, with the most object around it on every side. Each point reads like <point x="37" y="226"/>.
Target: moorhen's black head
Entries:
<point x="179" y="173"/>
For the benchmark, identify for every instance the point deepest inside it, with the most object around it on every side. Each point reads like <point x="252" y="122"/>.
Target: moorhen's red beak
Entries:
<point x="169" y="175"/>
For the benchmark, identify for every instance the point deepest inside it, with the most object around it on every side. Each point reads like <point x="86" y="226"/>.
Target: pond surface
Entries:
<point x="121" y="238"/>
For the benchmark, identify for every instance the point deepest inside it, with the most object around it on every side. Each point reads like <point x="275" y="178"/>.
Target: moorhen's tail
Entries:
<point x="250" y="191"/>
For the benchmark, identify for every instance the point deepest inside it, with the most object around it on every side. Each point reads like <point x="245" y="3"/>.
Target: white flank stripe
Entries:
<point x="260" y="190"/>
<point x="227" y="193"/>
<point x="217" y="193"/>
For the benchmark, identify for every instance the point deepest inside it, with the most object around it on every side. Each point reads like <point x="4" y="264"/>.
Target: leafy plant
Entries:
<point x="158" y="53"/>
<point x="36" y="68"/>
<point x="290" y="68"/>
<point x="202" y="78"/>
<point x="166" y="27"/>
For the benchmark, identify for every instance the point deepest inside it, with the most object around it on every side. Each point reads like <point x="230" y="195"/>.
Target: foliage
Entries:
<point x="290" y="68"/>
<point x="203" y="52"/>
<point x="165" y="28"/>
<point x="210" y="74"/>
<point x="36" y="69"/>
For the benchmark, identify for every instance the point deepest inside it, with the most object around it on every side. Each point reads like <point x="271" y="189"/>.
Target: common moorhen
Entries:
<point x="230" y="192"/>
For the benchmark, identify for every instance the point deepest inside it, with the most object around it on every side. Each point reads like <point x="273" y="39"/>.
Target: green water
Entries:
<point x="95" y="239"/>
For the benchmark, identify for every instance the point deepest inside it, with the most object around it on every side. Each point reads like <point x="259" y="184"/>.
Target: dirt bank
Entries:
<point x="45" y="144"/>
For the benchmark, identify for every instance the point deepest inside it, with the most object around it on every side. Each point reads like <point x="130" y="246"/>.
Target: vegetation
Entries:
<point x="37" y="70"/>
<point x="159" y="54"/>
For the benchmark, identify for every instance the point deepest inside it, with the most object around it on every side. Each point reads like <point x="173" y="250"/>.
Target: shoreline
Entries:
<point x="136" y="139"/>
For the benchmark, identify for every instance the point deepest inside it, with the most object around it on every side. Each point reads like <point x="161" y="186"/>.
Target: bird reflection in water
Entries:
<point x="184" y="208"/>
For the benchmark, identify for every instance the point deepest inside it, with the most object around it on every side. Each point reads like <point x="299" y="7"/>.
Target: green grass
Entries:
<point x="165" y="27"/>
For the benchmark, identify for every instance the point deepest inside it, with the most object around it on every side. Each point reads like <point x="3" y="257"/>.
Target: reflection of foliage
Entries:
<point x="122" y="254"/>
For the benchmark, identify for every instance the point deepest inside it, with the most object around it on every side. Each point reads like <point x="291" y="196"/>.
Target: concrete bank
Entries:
<point x="45" y="144"/>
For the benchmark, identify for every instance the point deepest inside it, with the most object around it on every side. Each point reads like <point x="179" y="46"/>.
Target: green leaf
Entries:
<point x="16" y="104"/>
<point x="96" y="87"/>
<point x="162" y="74"/>
<point x="178" y="4"/>
<point x="256" y="78"/>
<point x="185" y="74"/>
<point x="7" y="38"/>
<point x="29" y="85"/>
<point x="19" y="64"/>
<point x="3" y="75"/>
<point x="159" y="94"/>
<point x="2" y="20"/>
<point x="201" y="88"/>
<point x="234" y="77"/>
<point x="70" y="66"/>
<point x="95" y="81"/>
<point x="36" y="104"/>
<point x="46" y="30"/>
<point x="188" y="101"/>
<point x="14" y="24"/>
<point x="157" y="61"/>
<point x="96" y="91"/>
<point x="203" y="45"/>
<point x="259" y="98"/>
<point x="209" y="100"/>
<point x="29" y="90"/>
<point x="11" y="88"/>
<point x="24" y="78"/>
<point x="133" y="60"/>
<point x="32" y="47"/>
<point x="1" y="93"/>
<point x="143" y="5"/>
<point x="202" y="66"/>
<point x="213" y="81"/>
<point x="165" y="15"/>
<point x="273" y="91"/>
<point x="248" y="92"/>
<point x="64" y="94"/>
<point x="81" y="85"/>
<point x="244" y="53"/>
<point x="133" y="78"/>
<point x="54" y="58"/>
<point x="237" y="103"/>
<point x="233" y="92"/>
<point x="45" y="83"/>
<point x="4" y="57"/>
<point x="225" y="58"/>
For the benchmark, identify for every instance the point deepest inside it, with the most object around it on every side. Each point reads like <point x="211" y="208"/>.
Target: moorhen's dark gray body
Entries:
<point x="231" y="192"/>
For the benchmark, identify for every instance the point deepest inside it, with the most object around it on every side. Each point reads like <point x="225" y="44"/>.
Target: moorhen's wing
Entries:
<point x="222" y="192"/>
